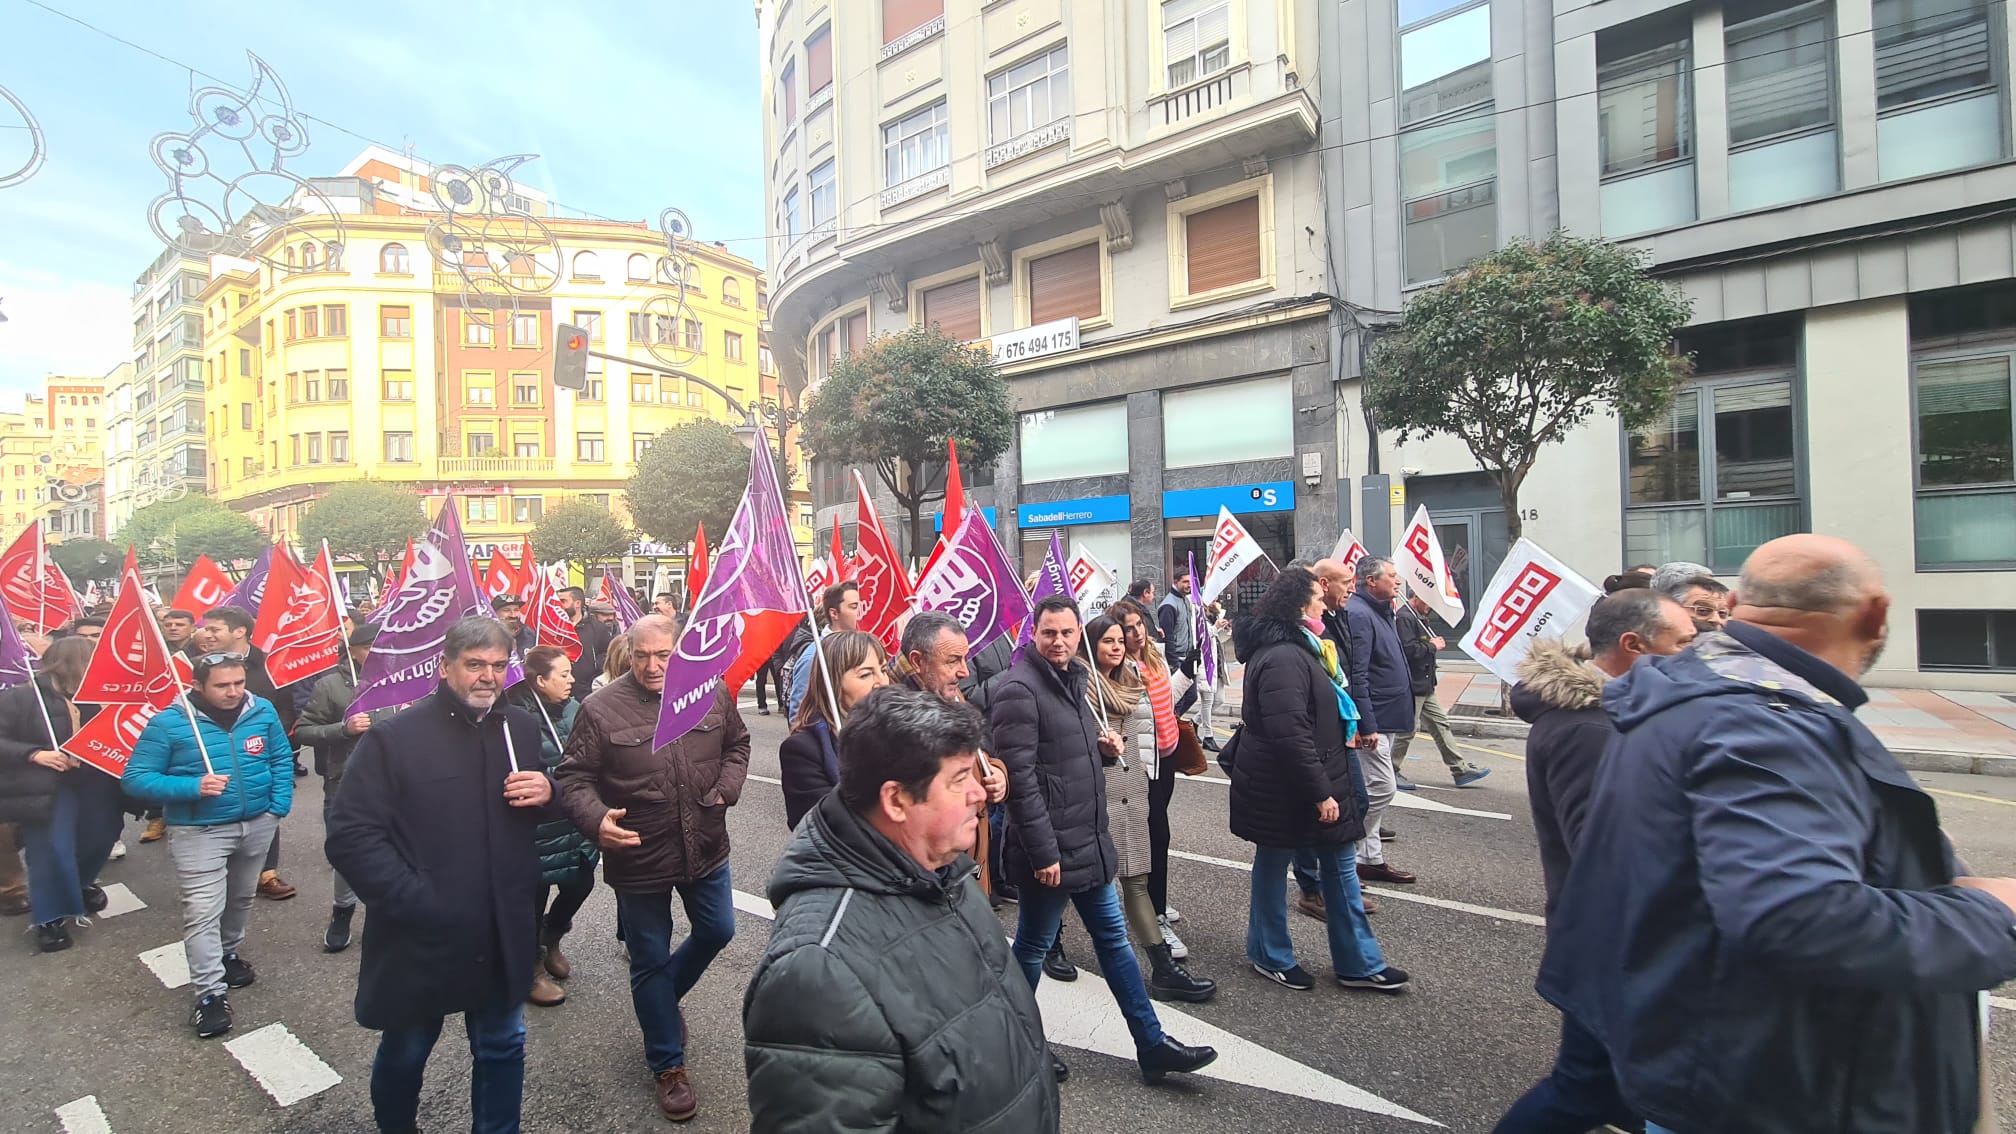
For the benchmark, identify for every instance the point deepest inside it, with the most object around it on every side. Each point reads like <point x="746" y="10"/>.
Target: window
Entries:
<point x="638" y="267"/>
<point x="1645" y="126"/>
<point x="788" y="216"/>
<point x="587" y="266"/>
<point x="1964" y="390"/>
<point x="1967" y="639"/>
<point x="336" y="321"/>
<point x="244" y="362"/>
<point x="395" y="322"/>
<point x="1066" y="283"/>
<point x="764" y="361"/>
<point x="314" y="448"/>
<point x="819" y="60"/>
<point x="731" y="346"/>
<point x="481" y="509"/>
<point x="526" y="445"/>
<point x="1196" y="39"/>
<point x="527" y="509"/>
<point x="954" y="306"/>
<point x="693" y="397"/>
<point x="244" y="415"/>
<point x="479" y="388"/>
<point x="901" y="17"/>
<point x="1720" y="474"/>
<point x="525" y="330"/>
<point x="311" y="385"/>
<point x="294" y="449"/>
<point x="477" y="328"/>
<point x="480" y="442"/>
<point x="339" y="448"/>
<point x="731" y="291"/>
<point x="695" y="336"/>
<point x="825" y="198"/>
<point x="639" y="442"/>
<point x="269" y="338"/>
<point x="524" y="389"/>
<point x="1935" y="87"/>
<point x="838" y="339"/>
<point x="915" y="144"/>
<point x="398" y="446"/>
<point x="643" y="389"/>
<point x="1445" y="61"/>
<point x="311" y="323"/>
<point x="664" y="329"/>
<point x="668" y="391"/>
<point x="1063" y="444"/>
<point x="293" y="325"/>
<point x="787" y="95"/>
<point x="588" y="447"/>
<point x="339" y="385"/>
<point x="1448" y="177"/>
<point x="245" y="467"/>
<point x="590" y="323"/>
<point x="640" y="327"/>
<point x="398" y="386"/>
<point x="1229" y="421"/>
<point x="1781" y="103"/>
<point x="594" y="390"/>
<point x="1222" y="246"/>
<point x="1031" y="94"/>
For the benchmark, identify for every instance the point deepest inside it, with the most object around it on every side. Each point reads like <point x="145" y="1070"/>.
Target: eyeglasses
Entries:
<point x="221" y="659"/>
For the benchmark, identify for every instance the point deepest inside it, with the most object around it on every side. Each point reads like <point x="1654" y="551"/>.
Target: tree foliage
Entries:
<point x="1516" y="350"/>
<point x="79" y="559"/>
<point x="692" y="474"/>
<point x="365" y="521"/>
<point x="580" y="531"/>
<point x="894" y="403"/>
<point x="189" y="527"/>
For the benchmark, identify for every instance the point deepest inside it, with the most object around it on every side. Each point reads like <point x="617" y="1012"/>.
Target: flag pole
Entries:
<point x="202" y="749"/>
<point x="343" y="645"/>
<point x="47" y="723"/>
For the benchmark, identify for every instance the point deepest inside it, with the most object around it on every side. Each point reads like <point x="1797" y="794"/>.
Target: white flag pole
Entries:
<point x="196" y="728"/>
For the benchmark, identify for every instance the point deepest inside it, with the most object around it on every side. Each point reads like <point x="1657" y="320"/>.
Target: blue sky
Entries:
<point x="633" y="107"/>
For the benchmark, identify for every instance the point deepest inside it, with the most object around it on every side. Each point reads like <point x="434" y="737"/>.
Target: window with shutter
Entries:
<point x="955" y="307"/>
<point x="1064" y="284"/>
<point x="819" y="61"/>
<point x="856" y="335"/>
<point x="1222" y="245"/>
<point x="901" y="17"/>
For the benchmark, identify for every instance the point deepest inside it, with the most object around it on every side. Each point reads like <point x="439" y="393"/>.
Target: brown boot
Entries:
<point x="675" y="1095"/>
<point x="274" y="888"/>
<point x="545" y="993"/>
<point x="557" y="965"/>
<point x="157" y="829"/>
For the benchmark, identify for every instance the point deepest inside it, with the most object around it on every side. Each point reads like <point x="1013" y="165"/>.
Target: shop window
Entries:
<point x="1078" y="441"/>
<point x="1967" y="640"/>
<point x="1229" y="421"/>
<point x="1964" y="387"/>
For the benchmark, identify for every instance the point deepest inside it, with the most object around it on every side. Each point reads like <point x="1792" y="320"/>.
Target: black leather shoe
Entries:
<point x="1057" y="966"/>
<point x="52" y="938"/>
<point x="1057" y="1067"/>
<point x="1210" y="744"/>
<point x="1170" y="1057"/>
<point x="94" y="898"/>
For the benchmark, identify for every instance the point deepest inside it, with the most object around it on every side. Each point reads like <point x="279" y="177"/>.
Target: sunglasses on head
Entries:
<point x="220" y="659"/>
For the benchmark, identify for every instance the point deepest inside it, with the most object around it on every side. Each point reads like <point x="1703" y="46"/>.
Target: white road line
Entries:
<point x="282" y="1064"/>
<point x="84" y="1116"/>
<point x="1410" y="800"/>
<point x="169" y="964"/>
<point x="765" y="779"/>
<point x="2003" y="1003"/>
<point x="1402" y="895"/>
<point x="120" y="899"/>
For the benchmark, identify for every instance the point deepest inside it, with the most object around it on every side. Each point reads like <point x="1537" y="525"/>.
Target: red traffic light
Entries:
<point x="577" y="342"/>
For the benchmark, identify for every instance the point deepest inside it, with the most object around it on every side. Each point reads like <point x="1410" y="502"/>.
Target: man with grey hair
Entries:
<point x="1695" y="587"/>
<point x="1763" y="923"/>
<point x="433" y="828"/>
<point x="1384" y="694"/>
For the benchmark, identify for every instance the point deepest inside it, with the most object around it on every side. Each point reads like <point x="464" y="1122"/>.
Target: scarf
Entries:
<point x="1326" y="652"/>
<point x="1120" y="696"/>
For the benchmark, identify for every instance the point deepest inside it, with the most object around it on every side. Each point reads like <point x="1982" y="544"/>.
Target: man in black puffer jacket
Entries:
<point x="887" y="1000"/>
<point x="1059" y="850"/>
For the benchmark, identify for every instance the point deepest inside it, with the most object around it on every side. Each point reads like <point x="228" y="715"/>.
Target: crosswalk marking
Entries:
<point x="169" y="964"/>
<point x="84" y="1116"/>
<point x="282" y="1064"/>
<point x="120" y="899"/>
<point x="1388" y="892"/>
<point x="1410" y="800"/>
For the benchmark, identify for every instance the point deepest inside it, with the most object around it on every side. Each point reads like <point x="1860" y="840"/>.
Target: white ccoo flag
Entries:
<point x="1348" y="550"/>
<point x="1533" y="596"/>
<point x="1422" y="568"/>
<point x="1233" y="549"/>
<point x="1091" y="581"/>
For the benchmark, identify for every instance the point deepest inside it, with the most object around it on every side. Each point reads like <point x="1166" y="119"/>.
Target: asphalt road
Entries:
<point x="97" y="1021"/>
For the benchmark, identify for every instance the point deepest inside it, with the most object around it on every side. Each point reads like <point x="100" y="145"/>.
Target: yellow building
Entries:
<point x="51" y="460"/>
<point x="382" y="364"/>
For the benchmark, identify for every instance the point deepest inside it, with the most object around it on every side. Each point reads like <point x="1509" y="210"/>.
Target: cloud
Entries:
<point x="58" y="326"/>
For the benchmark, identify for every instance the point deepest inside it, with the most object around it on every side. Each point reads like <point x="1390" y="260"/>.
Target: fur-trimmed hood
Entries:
<point x="1555" y="675"/>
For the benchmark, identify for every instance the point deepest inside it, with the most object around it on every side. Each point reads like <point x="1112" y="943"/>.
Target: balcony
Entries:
<point x="1043" y="137"/>
<point x="495" y="466"/>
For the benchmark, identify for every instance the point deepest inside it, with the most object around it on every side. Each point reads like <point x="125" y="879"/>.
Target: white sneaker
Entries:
<point x="119" y="850"/>
<point x="1174" y="915"/>
<point x="1177" y="949"/>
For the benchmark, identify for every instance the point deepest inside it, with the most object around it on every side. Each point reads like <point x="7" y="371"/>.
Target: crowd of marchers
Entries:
<point x="1754" y="921"/>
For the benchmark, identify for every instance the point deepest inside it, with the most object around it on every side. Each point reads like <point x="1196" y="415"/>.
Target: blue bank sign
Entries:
<point x="1273" y="496"/>
<point x="1066" y="513"/>
<point x="938" y="519"/>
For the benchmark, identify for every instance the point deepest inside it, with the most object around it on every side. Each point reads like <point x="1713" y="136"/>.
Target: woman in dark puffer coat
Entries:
<point x="69" y="814"/>
<point x="567" y="857"/>
<point x="1296" y="785"/>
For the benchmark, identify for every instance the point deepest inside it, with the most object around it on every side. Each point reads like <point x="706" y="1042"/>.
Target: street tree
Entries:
<point x="1513" y="352"/>
<point x="581" y="532"/>
<point x="893" y="405"/>
<point x="172" y="533"/>
<point x="365" y="521"/>
<point x="690" y="475"/>
<point x="88" y="560"/>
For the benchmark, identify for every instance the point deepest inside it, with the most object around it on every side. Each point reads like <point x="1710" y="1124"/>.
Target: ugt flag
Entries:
<point x="203" y="589"/>
<point x="251" y="589"/>
<point x="1051" y="579"/>
<point x="17" y="666"/>
<point x="1233" y="549"/>
<point x="1533" y="596"/>
<point x="1207" y="643"/>
<point x="974" y="583"/>
<point x="1422" y="568"/>
<point x="437" y="591"/>
<point x="300" y="626"/>
<point x="753" y="577"/>
<point x="34" y="587"/>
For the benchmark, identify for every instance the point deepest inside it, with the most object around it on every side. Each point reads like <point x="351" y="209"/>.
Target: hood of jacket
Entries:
<point x="835" y="849"/>
<point x="1717" y="665"/>
<point x="1251" y="635"/>
<point x="1555" y="675"/>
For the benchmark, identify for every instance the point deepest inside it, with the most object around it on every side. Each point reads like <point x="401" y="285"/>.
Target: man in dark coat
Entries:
<point x="1763" y="923"/>
<point x="1384" y="694"/>
<point x="886" y="1000"/>
<point x="1561" y="695"/>
<point x="433" y="828"/>
<point x="661" y="818"/>
<point x="1059" y="850"/>
<point x="1422" y="644"/>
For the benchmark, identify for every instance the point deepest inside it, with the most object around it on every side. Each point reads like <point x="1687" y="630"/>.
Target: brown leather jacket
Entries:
<point x="676" y="798"/>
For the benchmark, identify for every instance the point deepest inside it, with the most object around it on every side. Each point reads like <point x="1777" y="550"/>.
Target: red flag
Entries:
<point x="550" y="623"/>
<point x="500" y="578"/>
<point x="696" y="571"/>
<point x="955" y="488"/>
<point x="130" y="669"/>
<point x="298" y="625"/>
<point x="528" y="574"/>
<point x="405" y="569"/>
<point x="839" y="557"/>
<point x="33" y="586"/>
<point x="206" y="586"/>
<point x="885" y="587"/>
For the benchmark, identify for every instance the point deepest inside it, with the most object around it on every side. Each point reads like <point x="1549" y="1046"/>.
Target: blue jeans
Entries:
<point x="66" y="853"/>
<point x="1354" y="952"/>
<point x="496" y="1070"/>
<point x="1042" y="911"/>
<point x="660" y="976"/>
<point x="1305" y="872"/>
<point x="1580" y="1094"/>
<point x="1655" y="1128"/>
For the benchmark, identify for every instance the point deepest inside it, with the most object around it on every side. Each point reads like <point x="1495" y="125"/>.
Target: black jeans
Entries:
<point x="774" y="671"/>
<point x="1160" y="791"/>
<point x="557" y="910"/>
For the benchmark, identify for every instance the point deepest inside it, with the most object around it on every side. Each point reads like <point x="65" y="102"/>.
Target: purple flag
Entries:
<point x="627" y="610"/>
<point x="1051" y="579"/>
<point x="252" y="588"/>
<point x="754" y="571"/>
<point x="405" y="661"/>
<point x="17" y="665"/>
<point x="1207" y="645"/>
<point x="975" y="584"/>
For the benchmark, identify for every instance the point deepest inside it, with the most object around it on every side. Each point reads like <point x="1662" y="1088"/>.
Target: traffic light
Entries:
<point x="570" y="357"/>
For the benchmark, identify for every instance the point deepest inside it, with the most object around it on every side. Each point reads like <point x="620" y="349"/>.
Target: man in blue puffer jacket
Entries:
<point x="221" y="767"/>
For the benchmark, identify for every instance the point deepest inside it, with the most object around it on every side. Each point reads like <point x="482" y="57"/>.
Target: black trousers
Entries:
<point x="1160" y="791"/>
<point x="774" y="671"/>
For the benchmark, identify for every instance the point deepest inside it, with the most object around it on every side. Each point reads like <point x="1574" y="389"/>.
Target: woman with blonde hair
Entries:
<point x="616" y="663"/>
<point x="809" y="761"/>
